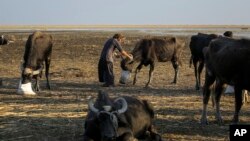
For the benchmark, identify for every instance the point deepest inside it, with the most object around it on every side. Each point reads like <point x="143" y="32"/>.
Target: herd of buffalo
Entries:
<point x="226" y="59"/>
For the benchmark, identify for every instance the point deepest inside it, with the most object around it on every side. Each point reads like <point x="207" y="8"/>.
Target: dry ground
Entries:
<point x="59" y="114"/>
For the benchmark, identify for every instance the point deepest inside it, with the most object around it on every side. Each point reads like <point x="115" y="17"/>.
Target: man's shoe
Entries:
<point x="107" y="85"/>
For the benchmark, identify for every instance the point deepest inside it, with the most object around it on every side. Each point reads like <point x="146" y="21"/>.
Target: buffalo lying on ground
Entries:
<point x="147" y="51"/>
<point x="227" y="61"/>
<point x="120" y="119"/>
<point x="197" y="44"/>
<point x="38" y="50"/>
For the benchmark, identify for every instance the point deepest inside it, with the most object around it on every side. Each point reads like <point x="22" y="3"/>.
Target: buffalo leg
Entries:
<point x="197" y="87"/>
<point x="127" y="137"/>
<point x="190" y="61"/>
<point x="153" y="134"/>
<point x="238" y="103"/>
<point x="138" y="68"/>
<point x="125" y="134"/>
<point x="218" y="91"/>
<point x="198" y="80"/>
<point x="206" y="95"/>
<point x="152" y="66"/>
<point x="176" y="70"/>
<point x="37" y="84"/>
<point x="47" y="65"/>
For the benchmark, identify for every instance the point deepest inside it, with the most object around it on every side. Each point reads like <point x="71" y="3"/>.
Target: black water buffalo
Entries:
<point x="228" y="34"/>
<point x="38" y="50"/>
<point x="227" y="61"/>
<point x="120" y="119"/>
<point x="197" y="43"/>
<point x="147" y="51"/>
<point x="3" y="41"/>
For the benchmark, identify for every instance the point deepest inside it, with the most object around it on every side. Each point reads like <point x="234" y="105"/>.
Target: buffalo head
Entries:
<point x="126" y="66"/>
<point x="26" y="77"/>
<point x="107" y="116"/>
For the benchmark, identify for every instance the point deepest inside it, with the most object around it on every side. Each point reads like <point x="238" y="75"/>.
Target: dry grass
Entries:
<point x="59" y="114"/>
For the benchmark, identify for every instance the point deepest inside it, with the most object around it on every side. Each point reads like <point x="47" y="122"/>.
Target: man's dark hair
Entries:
<point x="118" y="36"/>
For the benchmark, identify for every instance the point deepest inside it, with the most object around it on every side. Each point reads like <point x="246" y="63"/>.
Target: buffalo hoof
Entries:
<point x="197" y="88"/>
<point x="174" y="82"/>
<point x="147" y="86"/>
<point x="235" y="120"/>
<point x="219" y="119"/>
<point x="25" y="89"/>
<point x="204" y="121"/>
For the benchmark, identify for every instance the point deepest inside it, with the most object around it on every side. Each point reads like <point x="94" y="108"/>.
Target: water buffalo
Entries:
<point x="119" y="119"/>
<point x="197" y="44"/>
<point x="147" y="51"/>
<point x="228" y="34"/>
<point x="227" y="61"/>
<point x="3" y="41"/>
<point x="38" y="50"/>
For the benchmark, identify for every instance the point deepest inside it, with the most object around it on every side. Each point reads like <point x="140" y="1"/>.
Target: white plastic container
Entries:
<point x="229" y="89"/>
<point x="125" y="75"/>
<point x="25" y="89"/>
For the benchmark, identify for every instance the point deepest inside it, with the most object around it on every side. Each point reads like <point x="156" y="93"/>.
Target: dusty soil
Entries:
<point x="59" y="113"/>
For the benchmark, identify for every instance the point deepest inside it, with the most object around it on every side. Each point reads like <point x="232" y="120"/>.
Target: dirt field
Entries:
<point x="59" y="114"/>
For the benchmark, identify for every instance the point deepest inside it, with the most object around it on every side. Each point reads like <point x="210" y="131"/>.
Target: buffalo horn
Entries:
<point x="27" y="71"/>
<point x="124" y="105"/>
<point x="130" y="60"/>
<point x="36" y="72"/>
<point x="92" y="107"/>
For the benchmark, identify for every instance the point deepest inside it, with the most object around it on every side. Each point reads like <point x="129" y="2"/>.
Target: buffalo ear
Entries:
<point x="122" y="120"/>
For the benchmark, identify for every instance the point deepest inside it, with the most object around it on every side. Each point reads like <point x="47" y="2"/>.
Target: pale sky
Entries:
<point x="75" y="12"/>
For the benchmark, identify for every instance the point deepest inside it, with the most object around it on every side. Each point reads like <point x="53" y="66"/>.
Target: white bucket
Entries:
<point x="124" y="77"/>
<point x="229" y="89"/>
<point x="25" y="89"/>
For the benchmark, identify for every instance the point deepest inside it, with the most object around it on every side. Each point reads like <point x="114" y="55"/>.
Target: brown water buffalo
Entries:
<point x="147" y="51"/>
<point x="119" y="119"/>
<point x="197" y="43"/>
<point x="227" y="62"/>
<point x="38" y="50"/>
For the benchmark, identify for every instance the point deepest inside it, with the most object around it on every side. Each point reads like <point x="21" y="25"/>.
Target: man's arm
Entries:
<point x="126" y="54"/>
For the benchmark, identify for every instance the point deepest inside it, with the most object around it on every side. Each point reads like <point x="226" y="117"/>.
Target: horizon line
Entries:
<point x="82" y="26"/>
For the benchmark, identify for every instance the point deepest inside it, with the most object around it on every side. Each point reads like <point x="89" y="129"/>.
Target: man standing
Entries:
<point x="105" y="65"/>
